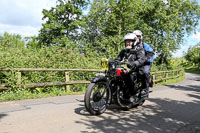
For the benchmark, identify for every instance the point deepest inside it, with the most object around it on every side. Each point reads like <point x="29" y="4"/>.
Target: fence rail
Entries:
<point x="156" y="76"/>
<point x="48" y="69"/>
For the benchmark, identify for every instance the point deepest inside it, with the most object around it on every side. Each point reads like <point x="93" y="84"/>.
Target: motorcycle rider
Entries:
<point x="134" y="53"/>
<point x="149" y="53"/>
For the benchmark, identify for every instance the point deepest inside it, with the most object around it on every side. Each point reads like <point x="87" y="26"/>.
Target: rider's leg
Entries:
<point x="132" y="79"/>
<point x="145" y="81"/>
<point x="132" y="82"/>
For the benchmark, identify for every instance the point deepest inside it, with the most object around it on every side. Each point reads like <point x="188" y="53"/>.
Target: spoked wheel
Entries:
<point x="96" y="98"/>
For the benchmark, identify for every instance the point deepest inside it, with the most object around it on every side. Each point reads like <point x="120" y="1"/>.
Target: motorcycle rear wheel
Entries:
<point x="96" y="98"/>
<point x="124" y="103"/>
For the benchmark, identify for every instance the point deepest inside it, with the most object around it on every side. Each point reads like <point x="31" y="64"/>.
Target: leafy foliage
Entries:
<point x="11" y="40"/>
<point x="193" y="54"/>
<point x="62" y="23"/>
<point x="45" y="57"/>
<point x="164" y="23"/>
<point x="68" y="39"/>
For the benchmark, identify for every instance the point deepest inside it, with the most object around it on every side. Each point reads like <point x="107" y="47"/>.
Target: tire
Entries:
<point x="96" y="98"/>
<point x="126" y="104"/>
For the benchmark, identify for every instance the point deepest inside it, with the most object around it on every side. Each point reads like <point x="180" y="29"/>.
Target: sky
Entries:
<point x="191" y="40"/>
<point x="24" y="17"/>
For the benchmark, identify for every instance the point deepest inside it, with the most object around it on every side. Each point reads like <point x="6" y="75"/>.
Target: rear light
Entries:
<point x="119" y="72"/>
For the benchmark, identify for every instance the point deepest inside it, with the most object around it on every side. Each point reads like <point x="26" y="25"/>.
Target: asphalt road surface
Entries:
<point x="172" y="108"/>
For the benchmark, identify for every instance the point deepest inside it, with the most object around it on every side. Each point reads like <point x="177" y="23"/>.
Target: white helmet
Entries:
<point x="138" y="33"/>
<point x="130" y="36"/>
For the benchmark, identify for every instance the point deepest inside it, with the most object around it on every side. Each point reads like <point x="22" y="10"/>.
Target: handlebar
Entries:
<point x="117" y="62"/>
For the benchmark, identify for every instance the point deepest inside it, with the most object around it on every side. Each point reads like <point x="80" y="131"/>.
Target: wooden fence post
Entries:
<point x="154" y="79"/>
<point x="166" y="77"/>
<point x="67" y="79"/>
<point x="19" y="79"/>
<point x="67" y="83"/>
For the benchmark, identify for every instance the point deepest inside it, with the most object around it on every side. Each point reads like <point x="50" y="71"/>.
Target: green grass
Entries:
<point x="21" y="94"/>
<point x="171" y="81"/>
<point x="192" y="68"/>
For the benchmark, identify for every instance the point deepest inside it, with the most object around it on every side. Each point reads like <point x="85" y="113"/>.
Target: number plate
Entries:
<point x="104" y="64"/>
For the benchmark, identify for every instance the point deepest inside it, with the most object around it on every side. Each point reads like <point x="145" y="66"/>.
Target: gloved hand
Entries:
<point x="131" y="65"/>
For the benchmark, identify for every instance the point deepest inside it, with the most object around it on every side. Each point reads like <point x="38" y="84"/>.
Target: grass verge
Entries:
<point x="171" y="81"/>
<point x="21" y="94"/>
<point x="193" y="69"/>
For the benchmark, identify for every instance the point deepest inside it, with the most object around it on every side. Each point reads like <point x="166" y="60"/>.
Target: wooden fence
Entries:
<point x="157" y="76"/>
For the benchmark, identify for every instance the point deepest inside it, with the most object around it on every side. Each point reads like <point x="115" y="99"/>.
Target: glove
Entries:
<point x="131" y="65"/>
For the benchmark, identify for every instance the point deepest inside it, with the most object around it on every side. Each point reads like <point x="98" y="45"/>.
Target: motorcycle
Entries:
<point x="111" y="87"/>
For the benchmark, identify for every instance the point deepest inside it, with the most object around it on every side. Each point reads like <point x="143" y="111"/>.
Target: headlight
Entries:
<point x="100" y="75"/>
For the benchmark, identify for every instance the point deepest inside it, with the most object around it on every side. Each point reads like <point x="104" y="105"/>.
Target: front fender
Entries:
<point x="98" y="79"/>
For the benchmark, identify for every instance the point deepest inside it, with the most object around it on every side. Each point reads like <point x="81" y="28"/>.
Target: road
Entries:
<point x="171" y="108"/>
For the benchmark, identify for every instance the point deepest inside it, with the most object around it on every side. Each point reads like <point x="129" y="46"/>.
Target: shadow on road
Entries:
<point x="81" y="110"/>
<point x="2" y="115"/>
<point x="156" y="117"/>
<point x="185" y="88"/>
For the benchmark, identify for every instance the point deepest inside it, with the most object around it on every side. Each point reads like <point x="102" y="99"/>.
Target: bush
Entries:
<point x="17" y="55"/>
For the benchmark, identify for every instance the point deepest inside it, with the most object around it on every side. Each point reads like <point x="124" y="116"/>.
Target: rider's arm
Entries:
<point x="141" y="58"/>
<point x="121" y="55"/>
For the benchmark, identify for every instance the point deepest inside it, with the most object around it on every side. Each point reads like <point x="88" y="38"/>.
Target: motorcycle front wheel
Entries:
<point x="96" y="98"/>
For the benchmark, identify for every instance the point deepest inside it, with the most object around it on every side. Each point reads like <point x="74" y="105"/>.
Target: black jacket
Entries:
<point x="135" y="55"/>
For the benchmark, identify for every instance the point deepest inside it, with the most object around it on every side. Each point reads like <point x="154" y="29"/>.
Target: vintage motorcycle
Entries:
<point x="111" y="87"/>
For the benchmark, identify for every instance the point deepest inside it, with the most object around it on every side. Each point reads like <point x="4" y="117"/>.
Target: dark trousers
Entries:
<point x="146" y="76"/>
<point x="131" y="79"/>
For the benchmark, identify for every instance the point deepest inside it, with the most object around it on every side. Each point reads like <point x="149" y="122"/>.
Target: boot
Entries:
<point x="150" y="83"/>
<point x="144" y="93"/>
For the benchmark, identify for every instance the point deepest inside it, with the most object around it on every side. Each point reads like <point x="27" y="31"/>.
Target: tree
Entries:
<point x="108" y="21"/>
<point x="167" y="22"/>
<point x="193" y="54"/>
<point x="62" y="22"/>
<point x="11" y="41"/>
<point x="164" y="23"/>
